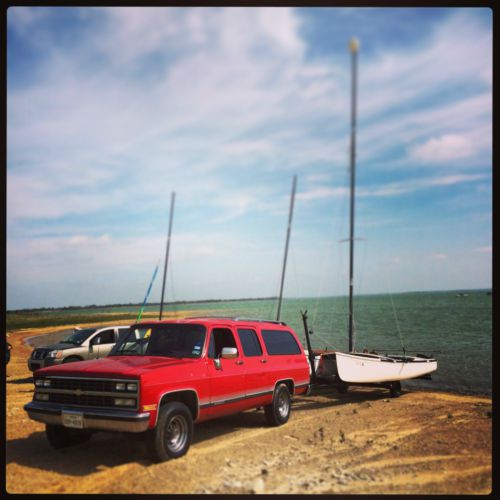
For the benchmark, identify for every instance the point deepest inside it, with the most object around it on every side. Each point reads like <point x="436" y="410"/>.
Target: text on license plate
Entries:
<point x="72" y="420"/>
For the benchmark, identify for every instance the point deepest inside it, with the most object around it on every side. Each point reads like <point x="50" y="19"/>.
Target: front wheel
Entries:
<point x="278" y="412"/>
<point x="72" y="359"/>
<point x="62" y="437"/>
<point x="172" y="436"/>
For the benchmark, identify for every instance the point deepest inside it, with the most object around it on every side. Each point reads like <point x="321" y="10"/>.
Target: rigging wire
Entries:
<point x="397" y="323"/>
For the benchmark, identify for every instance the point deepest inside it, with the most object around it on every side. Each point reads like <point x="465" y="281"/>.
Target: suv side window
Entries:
<point x="105" y="337"/>
<point x="280" y="342"/>
<point x="220" y="338"/>
<point x="249" y="342"/>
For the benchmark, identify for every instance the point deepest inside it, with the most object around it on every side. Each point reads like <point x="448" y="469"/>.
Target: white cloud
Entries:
<point x="439" y="256"/>
<point x="487" y="249"/>
<point x="322" y="193"/>
<point x="398" y="188"/>
<point x="444" y="149"/>
<point x="22" y="19"/>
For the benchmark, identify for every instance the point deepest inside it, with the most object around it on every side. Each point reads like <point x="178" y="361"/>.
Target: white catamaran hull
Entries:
<point x="373" y="368"/>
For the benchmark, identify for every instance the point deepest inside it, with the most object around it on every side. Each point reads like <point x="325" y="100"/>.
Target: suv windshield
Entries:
<point x="79" y="336"/>
<point x="169" y="340"/>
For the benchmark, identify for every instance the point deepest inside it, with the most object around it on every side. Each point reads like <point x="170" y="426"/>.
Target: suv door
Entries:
<point x="226" y="376"/>
<point x="102" y="343"/>
<point x="258" y="387"/>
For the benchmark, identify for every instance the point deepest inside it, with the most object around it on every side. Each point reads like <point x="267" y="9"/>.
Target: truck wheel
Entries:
<point x="278" y="412"/>
<point x="395" y="389"/>
<point x="72" y="359"/>
<point x="62" y="437"/>
<point x="172" y="436"/>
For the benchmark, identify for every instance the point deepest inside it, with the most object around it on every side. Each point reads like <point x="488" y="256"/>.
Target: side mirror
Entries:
<point x="229" y="352"/>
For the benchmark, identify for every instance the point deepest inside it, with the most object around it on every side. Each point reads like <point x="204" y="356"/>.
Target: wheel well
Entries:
<point x="289" y="383"/>
<point x="189" y="398"/>
<point x="73" y="356"/>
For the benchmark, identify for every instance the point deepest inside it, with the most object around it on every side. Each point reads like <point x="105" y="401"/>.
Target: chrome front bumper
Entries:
<point x="106" y="420"/>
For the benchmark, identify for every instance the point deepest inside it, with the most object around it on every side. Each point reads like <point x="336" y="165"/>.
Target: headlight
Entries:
<point x="46" y="383"/>
<point x="39" y="382"/>
<point x="124" y="402"/>
<point x="54" y="354"/>
<point x="132" y="387"/>
<point x="120" y="386"/>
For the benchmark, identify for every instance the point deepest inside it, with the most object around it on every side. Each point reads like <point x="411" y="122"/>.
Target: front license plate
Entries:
<point x="74" y="420"/>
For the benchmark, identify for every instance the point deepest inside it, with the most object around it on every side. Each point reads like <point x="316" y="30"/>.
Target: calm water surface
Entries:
<point x="456" y="329"/>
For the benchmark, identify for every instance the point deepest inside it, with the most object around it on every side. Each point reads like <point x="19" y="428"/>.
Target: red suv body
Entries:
<point x="165" y="375"/>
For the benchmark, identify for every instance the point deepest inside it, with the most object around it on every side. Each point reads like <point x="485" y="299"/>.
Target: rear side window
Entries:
<point x="280" y="342"/>
<point x="250" y="342"/>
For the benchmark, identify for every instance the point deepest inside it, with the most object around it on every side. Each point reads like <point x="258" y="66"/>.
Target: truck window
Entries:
<point x="105" y="337"/>
<point x="249" y="342"/>
<point x="280" y="342"/>
<point x="122" y="332"/>
<point x="220" y="338"/>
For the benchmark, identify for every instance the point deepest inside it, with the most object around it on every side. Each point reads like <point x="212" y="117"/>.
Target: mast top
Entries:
<point x="354" y="45"/>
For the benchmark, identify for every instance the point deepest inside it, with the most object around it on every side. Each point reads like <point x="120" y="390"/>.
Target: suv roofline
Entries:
<point x="213" y="318"/>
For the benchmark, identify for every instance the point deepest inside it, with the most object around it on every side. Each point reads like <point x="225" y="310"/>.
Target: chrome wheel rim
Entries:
<point x="177" y="433"/>
<point x="283" y="405"/>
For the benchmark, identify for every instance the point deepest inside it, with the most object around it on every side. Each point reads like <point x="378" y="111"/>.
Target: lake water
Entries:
<point x="455" y="329"/>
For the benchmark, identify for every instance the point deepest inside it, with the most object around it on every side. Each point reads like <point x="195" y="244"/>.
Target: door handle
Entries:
<point x="239" y="362"/>
<point x="263" y="360"/>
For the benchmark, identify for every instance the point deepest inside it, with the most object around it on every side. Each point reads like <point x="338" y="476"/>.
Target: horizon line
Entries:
<point x="201" y="301"/>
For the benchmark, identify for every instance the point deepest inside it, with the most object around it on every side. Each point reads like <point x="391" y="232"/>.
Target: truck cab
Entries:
<point x="82" y="344"/>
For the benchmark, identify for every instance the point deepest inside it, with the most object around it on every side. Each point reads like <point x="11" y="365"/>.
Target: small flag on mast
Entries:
<point x="147" y="294"/>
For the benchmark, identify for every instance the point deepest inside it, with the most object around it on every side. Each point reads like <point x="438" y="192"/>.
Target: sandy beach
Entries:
<point x="359" y="442"/>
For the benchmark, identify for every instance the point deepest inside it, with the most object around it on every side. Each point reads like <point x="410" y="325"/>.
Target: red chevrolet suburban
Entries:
<point x="164" y="375"/>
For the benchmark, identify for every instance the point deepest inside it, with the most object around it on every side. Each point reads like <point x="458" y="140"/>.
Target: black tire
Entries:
<point x="395" y="389"/>
<point x="172" y="436"/>
<point x="72" y="359"/>
<point x="62" y="437"/>
<point x="278" y="412"/>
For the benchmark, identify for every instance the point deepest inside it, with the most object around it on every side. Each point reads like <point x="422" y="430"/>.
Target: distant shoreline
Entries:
<point x="205" y="301"/>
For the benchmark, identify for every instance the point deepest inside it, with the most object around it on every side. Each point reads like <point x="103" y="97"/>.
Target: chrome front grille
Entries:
<point x="83" y="384"/>
<point x="82" y="400"/>
<point x="39" y="354"/>
<point x="86" y="392"/>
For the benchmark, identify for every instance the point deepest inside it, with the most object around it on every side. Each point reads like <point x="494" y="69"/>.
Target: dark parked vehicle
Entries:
<point x="8" y="349"/>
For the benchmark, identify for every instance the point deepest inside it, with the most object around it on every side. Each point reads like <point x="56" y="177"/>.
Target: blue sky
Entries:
<point x="109" y="110"/>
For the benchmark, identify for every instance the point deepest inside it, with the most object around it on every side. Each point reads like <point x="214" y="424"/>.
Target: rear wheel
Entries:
<point x="62" y="437"/>
<point x="278" y="412"/>
<point x="172" y="436"/>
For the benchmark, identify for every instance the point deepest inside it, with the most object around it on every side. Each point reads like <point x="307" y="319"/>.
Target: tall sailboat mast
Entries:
<point x="172" y="201"/>
<point x="290" y="215"/>
<point x="353" y="47"/>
